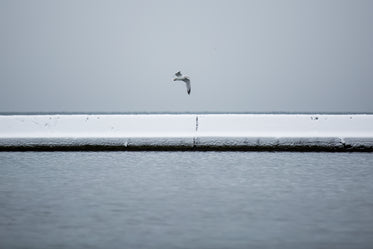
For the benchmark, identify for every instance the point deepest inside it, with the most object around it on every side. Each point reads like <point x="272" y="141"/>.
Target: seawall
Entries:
<point x="245" y="132"/>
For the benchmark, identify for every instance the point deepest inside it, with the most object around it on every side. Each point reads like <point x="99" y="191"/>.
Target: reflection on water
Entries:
<point x="186" y="200"/>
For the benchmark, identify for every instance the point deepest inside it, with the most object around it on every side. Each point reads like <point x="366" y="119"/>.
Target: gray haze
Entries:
<point x="241" y="56"/>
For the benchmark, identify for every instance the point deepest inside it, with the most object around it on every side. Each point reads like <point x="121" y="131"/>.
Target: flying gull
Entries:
<point x="184" y="78"/>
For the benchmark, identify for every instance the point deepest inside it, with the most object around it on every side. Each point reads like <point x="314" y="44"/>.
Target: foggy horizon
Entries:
<point x="241" y="56"/>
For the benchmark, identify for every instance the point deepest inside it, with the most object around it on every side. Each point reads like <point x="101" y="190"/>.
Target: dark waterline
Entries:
<point x="186" y="200"/>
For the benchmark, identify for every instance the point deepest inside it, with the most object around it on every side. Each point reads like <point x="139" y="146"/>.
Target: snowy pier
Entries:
<point x="275" y="132"/>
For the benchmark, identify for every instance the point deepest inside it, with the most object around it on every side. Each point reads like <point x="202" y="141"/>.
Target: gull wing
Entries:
<point x="178" y="74"/>
<point x="188" y="86"/>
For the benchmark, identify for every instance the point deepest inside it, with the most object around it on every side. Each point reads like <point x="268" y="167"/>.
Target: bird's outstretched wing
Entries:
<point x="188" y="86"/>
<point x="178" y="74"/>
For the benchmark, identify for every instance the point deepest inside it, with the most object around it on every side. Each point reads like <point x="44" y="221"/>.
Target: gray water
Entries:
<point x="186" y="200"/>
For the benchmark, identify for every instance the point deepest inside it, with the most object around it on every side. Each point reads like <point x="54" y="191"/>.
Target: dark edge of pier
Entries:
<point x="272" y="148"/>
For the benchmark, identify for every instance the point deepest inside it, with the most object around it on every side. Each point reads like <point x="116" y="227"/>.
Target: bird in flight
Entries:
<point x="181" y="77"/>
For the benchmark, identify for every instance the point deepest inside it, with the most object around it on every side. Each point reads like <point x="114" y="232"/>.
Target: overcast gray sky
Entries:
<point x="241" y="56"/>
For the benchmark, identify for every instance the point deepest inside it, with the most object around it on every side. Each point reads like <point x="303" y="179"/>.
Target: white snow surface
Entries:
<point x="188" y="130"/>
<point x="95" y="126"/>
<point x="286" y="125"/>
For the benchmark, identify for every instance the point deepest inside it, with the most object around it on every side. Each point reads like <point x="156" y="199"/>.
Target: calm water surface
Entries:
<point x="186" y="200"/>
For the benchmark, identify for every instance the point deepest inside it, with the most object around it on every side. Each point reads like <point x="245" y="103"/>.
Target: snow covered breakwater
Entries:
<point x="306" y="132"/>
